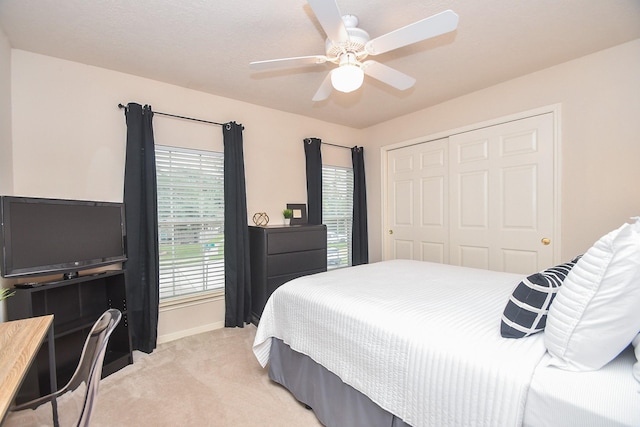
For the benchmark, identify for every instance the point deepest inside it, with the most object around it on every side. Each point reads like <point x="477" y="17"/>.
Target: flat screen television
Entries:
<point x="49" y="236"/>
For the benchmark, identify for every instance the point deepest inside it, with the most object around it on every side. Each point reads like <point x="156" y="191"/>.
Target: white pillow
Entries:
<point x="596" y="314"/>
<point x="636" y="366"/>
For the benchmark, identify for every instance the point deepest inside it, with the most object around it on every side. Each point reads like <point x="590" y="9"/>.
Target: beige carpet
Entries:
<point x="209" y="379"/>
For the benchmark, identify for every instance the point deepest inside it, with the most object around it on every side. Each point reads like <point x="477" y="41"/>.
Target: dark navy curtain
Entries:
<point x="237" y="270"/>
<point x="141" y="216"/>
<point x="360" y="240"/>
<point x="314" y="180"/>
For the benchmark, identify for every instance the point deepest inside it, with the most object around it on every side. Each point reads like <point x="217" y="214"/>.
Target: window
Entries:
<point x="337" y="214"/>
<point x="190" y="221"/>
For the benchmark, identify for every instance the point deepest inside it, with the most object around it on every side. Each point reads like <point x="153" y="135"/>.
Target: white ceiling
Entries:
<point x="207" y="45"/>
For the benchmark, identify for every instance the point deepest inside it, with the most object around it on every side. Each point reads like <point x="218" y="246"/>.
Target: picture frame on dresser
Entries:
<point x="299" y="213"/>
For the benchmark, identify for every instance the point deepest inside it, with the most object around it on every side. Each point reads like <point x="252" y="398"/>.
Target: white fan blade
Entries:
<point x="288" y="62"/>
<point x="433" y="26"/>
<point x="330" y="19"/>
<point x="387" y="75"/>
<point x="324" y="90"/>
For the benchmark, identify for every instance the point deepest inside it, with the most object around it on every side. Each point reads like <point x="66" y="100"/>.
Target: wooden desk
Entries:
<point x="20" y="341"/>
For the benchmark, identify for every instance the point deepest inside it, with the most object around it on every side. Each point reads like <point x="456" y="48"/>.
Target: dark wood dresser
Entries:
<point x="280" y="254"/>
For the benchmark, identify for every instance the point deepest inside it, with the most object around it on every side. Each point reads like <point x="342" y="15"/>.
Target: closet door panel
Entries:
<point x="517" y="203"/>
<point x="473" y="256"/>
<point x="433" y="252"/>
<point x="403" y="203"/>
<point x="403" y="249"/>
<point x="418" y="211"/>
<point x="519" y="212"/>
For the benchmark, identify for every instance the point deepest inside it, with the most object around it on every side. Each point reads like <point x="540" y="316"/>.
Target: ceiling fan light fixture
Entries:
<point x="348" y="76"/>
<point x="348" y="46"/>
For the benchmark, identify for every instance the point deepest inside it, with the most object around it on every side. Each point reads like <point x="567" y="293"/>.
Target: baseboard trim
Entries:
<point x="188" y="332"/>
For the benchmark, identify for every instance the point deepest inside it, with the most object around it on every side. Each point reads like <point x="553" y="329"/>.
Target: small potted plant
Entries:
<point x="287" y="214"/>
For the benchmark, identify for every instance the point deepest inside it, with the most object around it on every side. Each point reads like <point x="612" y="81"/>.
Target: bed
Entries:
<point x="410" y="343"/>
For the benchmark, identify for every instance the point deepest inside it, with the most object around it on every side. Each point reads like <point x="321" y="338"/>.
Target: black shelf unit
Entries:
<point x="280" y="254"/>
<point x="76" y="304"/>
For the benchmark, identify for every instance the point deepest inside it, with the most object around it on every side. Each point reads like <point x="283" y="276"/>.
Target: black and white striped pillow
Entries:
<point x="526" y="311"/>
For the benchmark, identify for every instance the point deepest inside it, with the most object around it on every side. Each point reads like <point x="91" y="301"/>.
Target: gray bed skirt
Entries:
<point x="334" y="402"/>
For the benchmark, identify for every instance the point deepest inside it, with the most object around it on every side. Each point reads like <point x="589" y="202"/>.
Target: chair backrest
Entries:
<point x="89" y="370"/>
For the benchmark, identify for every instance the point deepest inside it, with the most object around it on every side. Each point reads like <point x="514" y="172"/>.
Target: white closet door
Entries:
<point x="483" y="198"/>
<point x="418" y="207"/>
<point x="502" y="196"/>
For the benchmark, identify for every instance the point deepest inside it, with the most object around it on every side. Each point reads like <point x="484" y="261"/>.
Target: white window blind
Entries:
<point x="337" y="214"/>
<point x="190" y="221"/>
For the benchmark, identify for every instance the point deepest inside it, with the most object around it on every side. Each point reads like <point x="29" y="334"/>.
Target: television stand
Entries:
<point x="76" y="304"/>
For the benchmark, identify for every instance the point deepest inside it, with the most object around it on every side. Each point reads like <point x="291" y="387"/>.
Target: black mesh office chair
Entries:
<point x="88" y="372"/>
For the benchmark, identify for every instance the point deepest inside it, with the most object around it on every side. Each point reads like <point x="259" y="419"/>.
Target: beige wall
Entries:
<point x="599" y="97"/>
<point x="69" y="142"/>
<point x="6" y="169"/>
<point x="69" y="135"/>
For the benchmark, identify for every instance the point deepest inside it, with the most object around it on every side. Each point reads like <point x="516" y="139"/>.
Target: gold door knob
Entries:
<point x="390" y="231"/>
<point x="545" y="241"/>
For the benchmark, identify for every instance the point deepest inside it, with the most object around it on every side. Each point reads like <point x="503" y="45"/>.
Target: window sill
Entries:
<point x="187" y="300"/>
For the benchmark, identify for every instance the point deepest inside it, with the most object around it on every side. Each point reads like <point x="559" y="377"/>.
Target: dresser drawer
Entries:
<point x="274" y="282"/>
<point x="295" y="262"/>
<point x="278" y="243"/>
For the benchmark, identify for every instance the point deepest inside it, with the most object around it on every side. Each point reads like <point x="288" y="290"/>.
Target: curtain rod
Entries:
<point x="336" y="145"/>
<point x="180" y="117"/>
<point x="328" y="143"/>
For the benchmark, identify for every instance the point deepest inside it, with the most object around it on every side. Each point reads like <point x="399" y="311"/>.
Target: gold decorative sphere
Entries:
<point x="261" y="219"/>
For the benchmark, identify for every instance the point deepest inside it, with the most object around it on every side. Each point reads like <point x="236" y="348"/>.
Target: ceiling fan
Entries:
<point x="348" y="46"/>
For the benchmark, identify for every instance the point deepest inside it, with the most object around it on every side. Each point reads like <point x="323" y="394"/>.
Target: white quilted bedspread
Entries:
<point x="422" y="340"/>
